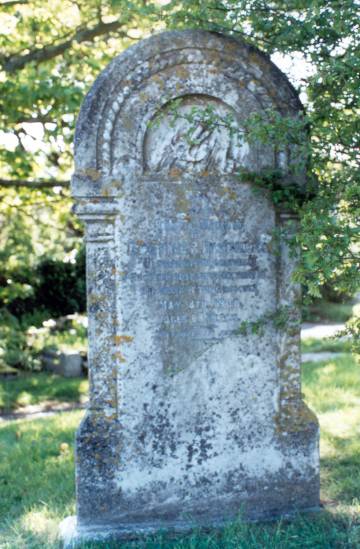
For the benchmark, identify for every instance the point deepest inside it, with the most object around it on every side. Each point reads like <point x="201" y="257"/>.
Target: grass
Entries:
<point x="37" y="486"/>
<point x="36" y="479"/>
<point x="332" y="388"/>
<point x="36" y="388"/>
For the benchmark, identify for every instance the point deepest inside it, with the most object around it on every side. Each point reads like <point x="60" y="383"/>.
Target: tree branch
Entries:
<point x="41" y="184"/>
<point x="9" y="3"/>
<point x="35" y="120"/>
<point x="14" y="63"/>
<point x="34" y="217"/>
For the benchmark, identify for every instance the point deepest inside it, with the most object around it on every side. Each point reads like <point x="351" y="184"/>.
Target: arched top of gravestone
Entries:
<point x="124" y="128"/>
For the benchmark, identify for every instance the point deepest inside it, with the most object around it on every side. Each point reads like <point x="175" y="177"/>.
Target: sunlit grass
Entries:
<point x="333" y="390"/>
<point x="36" y="388"/>
<point x="37" y="478"/>
<point x="332" y="385"/>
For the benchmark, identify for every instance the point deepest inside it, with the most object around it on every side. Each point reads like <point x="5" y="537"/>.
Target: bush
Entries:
<point x="335" y="294"/>
<point x="14" y="349"/>
<point x="53" y="289"/>
<point x="23" y="339"/>
<point x="61" y="289"/>
<point x="58" y="288"/>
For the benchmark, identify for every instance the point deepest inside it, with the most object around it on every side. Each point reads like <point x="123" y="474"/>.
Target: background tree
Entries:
<point x="326" y="35"/>
<point x="50" y="56"/>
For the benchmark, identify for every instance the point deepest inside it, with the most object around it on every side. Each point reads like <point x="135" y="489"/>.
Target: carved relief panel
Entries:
<point x="197" y="134"/>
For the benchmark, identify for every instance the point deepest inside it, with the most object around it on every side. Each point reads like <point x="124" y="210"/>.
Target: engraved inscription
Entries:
<point x="197" y="275"/>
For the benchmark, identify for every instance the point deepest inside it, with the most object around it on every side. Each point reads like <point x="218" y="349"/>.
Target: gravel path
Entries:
<point x="321" y="356"/>
<point x="319" y="331"/>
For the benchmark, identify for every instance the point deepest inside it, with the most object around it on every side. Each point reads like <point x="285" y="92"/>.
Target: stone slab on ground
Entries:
<point x="63" y="363"/>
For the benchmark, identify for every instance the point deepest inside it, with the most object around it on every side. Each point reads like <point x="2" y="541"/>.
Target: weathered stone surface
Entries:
<point x="192" y="418"/>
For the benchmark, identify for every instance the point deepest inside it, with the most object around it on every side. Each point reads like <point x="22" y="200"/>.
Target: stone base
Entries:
<point x="71" y="535"/>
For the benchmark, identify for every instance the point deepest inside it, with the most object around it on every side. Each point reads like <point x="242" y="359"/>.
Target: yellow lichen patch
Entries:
<point x="110" y="417"/>
<point x="182" y="72"/>
<point x="232" y="45"/>
<point x="158" y="79"/>
<point x="175" y="172"/>
<point x="118" y="356"/>
<point x="227" y="191"/>
<point x="116" y="184"/>
<point x="182" y="203"/>
<point x="118" y="339"/>
<point x="215" y="58"/>
<point x="260" y="61"/>
<point x="94" y="298"/>
<point x="127" y="122"/>
<point x="93" y="174"/>
<point x="295" y="416"/>
<point x="254" y="57"/>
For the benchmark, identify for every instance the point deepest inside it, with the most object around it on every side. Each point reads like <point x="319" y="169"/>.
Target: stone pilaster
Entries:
<point x="293" y="415"/>
<point x="97" y="438"/>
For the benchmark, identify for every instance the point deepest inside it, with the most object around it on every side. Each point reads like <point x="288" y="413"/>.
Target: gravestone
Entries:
<point x="194" y="415"/>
